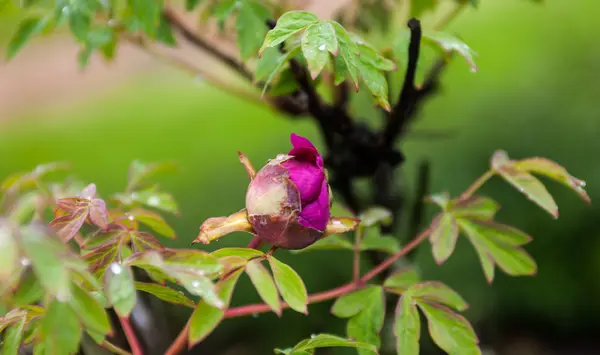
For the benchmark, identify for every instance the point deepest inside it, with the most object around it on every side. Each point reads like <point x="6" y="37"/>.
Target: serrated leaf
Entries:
<point x="89" y="310"/>
<point x="46" y="256"/>
<point x="346" y="62"/>
<point x="206" y="318"/>
<point x="552" y="170"/>
<point x="524" y="182"/>
<point x="352" y="303"/>
<point x="290" y="285"/>
<point x="284" y="58"/>
<point x="435" y="291"/>
<point x="376" y="83"/>
<point x="250" y="27"/>
<point x="12" y="337"/>
<point x="419" y="7"/>
<point x="476" y="207"/>
<point x="318" y="41"/>
<point x="69" y="225"/>
<point x="120" y="288"/>
<point x="165" y="293"/>
<point x="98" y="213"/>
<point x="370" y="56"/>
<point x="375" y="215"/>
<point x="400" y="280"/>
<point x="100" y="258"/>
<point x="245" y="253"/>
<point x="450" y="331"/>
<point x="330" y="341"/>
<point x="443" y="237"/>
<point x="29" y="290"/>
<point x="150" y="197"/>
<point x="366" y="325"/>
<point x="59" y="329"/>
<point x="287" y="25"/>
<point x="27" y="29"/>
<point x="142" y="241"/>
<point x="407" y="327"/>
<point x="449" y="43"/>
<point x="441" y="199"/>
<point x="9" y="252"/>
<point x="264" y="284"/>
<point x="154" y="221"/>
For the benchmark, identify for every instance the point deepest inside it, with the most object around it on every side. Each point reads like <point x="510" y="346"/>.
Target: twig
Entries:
<point x="476" y="185"/>
<point x="180" y="342"/>
<point x="199" y="42"/>
<point x="134" y="344"/>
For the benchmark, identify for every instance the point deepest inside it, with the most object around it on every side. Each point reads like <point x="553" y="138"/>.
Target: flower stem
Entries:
<point x="356" y="263"/>
<point x="134" y="344"/>
<point x="180" y="342"/>
<point x="476" y="185"/>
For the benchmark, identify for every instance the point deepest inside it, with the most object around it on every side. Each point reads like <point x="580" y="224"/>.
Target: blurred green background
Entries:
<point x="536" y="94"/>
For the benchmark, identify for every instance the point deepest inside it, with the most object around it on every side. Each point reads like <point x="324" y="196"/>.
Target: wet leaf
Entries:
<point x="475" y="207"/>
<point x="287" y="25"/>
<point x="27" y="29"/>
<point x="9" y="251"/>
<point x="435" y="291"/>
<point x="346" y="62"/>
<point x="154" y="221"/>
<point x="59" y="329"/>
<point x="318" y="41"/>
<point x="142" y="241"/>
<point x="12" y="337"/>
<point x="69" y="225"/>
<point x="407" y="327"/>
<point x="120" y="288"/>
<point x="449" y="44"/>
<point x="328" y="341"/>
<point x="443" y="237"/>
<point x="290" y="285"/>
<point x="90" y="311"/>
<point x="374" y="216"/>
<point x="366" y="325"/>
<point x="374" y="241"/>
<point x="264" y="284"/>
<point x="245" y="253"/>
<point x="140" y="173"/>
<point x="351" y="304"/>
<point x="165" y="293"/>
<point x="206" y="317"/>
<point x="250" y="27"/>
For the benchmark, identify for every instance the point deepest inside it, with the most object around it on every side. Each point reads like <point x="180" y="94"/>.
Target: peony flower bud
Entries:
<point x="288" y="202"/>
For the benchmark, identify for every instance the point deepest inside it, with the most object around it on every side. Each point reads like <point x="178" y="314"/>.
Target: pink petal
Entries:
<point x="316" y="215"/>
<point x="307" y="177"/>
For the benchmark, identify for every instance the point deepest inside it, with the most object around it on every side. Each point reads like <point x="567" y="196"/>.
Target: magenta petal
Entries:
<point x="316" y="215"/>
<point x="304" y="150"/>
<point x="307" y="177"/>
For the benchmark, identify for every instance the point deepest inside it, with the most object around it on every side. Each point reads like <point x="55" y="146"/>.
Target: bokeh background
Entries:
<point x="537" y="93"/>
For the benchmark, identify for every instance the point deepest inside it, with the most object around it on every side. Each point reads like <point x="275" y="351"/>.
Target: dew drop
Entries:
<point x="254" y="315"/>
<point x="195" y="284"/>
<point x="337" y="223"/>
<point x="131" y="218"/>
<point x="115" y="268"/>
<point x="153" y="201"/>
<point x="322" y="47"/>
<point x="25" y="262"/>
<point x="312" y="336"/>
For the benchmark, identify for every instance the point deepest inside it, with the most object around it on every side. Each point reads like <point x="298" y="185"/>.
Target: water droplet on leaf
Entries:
<point x="322" y="47"/>
<point x="115" y="268"/>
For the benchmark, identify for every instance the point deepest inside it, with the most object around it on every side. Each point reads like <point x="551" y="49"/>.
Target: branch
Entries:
<point x="400" y="113"/>
<point x="199" y="42"/>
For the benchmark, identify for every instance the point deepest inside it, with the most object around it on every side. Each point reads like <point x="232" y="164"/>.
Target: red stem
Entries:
<point x="134" y="344"/>
<point x="181" y="341"/>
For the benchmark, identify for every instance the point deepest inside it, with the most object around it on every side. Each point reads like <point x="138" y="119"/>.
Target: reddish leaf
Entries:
<point x="435" y="291"/>
<point x="113" y="234"/>
<point x="71" y="204"/>
<point x="98" y="213"/>
<point x="443" y="237"/>
<point x="89" y="192"/>
<point x="68" y="226"/>
<point x="144" y="241"/>
<point x="476" y="206"/>
<point x="99" y="258"/>
<point x="154" y="221"/>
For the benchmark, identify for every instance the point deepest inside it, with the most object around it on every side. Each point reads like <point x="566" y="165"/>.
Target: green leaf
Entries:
<point x="352" y="303"/>
<point x="419" y="7"/>
<point x="191" y="4"/>
<point x="317" y="42"/>
<point x="165" y="293"/>
<point x="371" y="57"/>
<point x="27" y="29"/>
<point x="366" y="325"/>
<point x="206" y="317"/>
<point x="59" y="329"/>
<point x="154" y="221"/>
<point x="150" y="197"/>
<point x="407" y="327"/>
<point x="290" y="285"/>
<point x="140" y="173"/>
<point x="332" y="242"/>
<point x="437" y="292"/>
<point x="475" y="207"/>
<point x="245" y="253"/>
<point x="264" y="284"/>
<point x="100" y="258"/>
<point x="267" y="63"/>
<point x="250" y="27"/>
<point x="9" y="252"/>
<point x="374" y="241"/>
<point x="552" y="170"/>
<point x="329" y="341"/>
<point x="80" y="23"/>
<point x="164" y="33"/>
<point x="147" y="15"/>
<point x="46" y="256"/>
<point x="441" y="199"/>
<point x="12" y="337"/>
<point x="284" y="58"/>
<point x="400" y="280"/>
<point x="120" y="288"/>
<point x="443" y="237"/>
<point x="374" y="216"/>
<point x="450" y="331"/>
<point x="287" y="25"/>
<point x="524" y="182"/>
<point x="346" y="62"/>
<point x="90" y="311"/>
<point x="500" y="249"/>
<point x="449" y="44"/>
<point x="375" y="81"/>
<point x="29" y="290"/>
<point x="142" y="241"/>
<point x="497" y="232"/>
